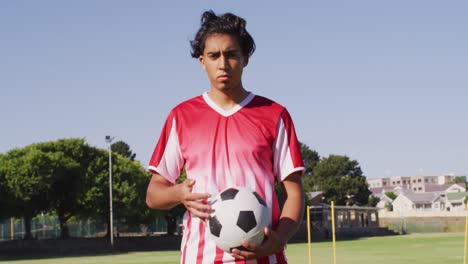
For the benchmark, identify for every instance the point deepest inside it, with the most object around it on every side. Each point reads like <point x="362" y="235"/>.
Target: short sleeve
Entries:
<point x="167" y="159"/>
<point x="287" y="156"/>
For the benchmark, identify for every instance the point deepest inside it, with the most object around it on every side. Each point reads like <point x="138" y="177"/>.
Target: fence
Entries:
<point x="48" y="226"/>
<point x="424" y="224"/>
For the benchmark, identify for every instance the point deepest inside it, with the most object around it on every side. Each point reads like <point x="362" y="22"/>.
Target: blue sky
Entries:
<point x="384" y="82"/>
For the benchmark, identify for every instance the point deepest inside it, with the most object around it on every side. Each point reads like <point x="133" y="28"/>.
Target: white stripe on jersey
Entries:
<point x="269" y="201"/>
<point x="251" y="182"/>
<point x="272" y="259"/>
<point x="283" y="164"/>
<point x="209" y="252"/>
<point x="192" y="244"/>
<point x="172" y="161"/>
<point x="184" y="237"/>
<point x="269" y="198"/>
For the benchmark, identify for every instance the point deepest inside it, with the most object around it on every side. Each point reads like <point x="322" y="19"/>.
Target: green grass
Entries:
<point x="418" y="249"/>
<point x="440" y="248"/>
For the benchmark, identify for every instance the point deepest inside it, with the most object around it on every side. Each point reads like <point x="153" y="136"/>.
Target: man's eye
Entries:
<point x="231" y="55"/>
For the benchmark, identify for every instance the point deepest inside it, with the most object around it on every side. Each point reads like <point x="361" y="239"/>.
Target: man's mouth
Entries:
<point x="224" y="77"/>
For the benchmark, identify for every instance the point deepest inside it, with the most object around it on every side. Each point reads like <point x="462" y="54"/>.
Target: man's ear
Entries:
<point x="201" y="59"/>
<point x="246" y="61"/>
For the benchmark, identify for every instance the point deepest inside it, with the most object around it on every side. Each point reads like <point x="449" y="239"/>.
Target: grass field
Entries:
<point x="438" y="248"/>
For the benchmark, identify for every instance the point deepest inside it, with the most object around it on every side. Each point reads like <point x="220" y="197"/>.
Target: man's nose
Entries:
<point x="222" y="63"/>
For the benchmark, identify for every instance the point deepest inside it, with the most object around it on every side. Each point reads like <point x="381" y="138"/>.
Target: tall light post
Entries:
<point x="109" y="140"/>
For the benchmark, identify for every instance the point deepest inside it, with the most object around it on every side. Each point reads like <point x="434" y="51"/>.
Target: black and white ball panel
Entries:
<point x="229" y="194"/>
<point x="238" y="214"/>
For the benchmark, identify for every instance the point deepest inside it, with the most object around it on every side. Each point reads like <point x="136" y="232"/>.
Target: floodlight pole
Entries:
<point x="111" y="231"/>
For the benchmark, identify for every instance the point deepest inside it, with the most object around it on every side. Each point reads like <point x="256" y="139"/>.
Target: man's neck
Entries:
<point x="228" y="99"/>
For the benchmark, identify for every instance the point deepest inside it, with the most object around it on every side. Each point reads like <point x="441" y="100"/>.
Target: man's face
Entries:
<point x="223" y="61"/>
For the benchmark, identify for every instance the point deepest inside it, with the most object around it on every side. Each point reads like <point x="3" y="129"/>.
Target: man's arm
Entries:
<point x="289" y="222"/>
<point x="162" y="194"/>
<point x="293" y="209"/>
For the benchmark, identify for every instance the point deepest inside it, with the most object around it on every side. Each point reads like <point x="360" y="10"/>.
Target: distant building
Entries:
<point x="417" y="184"/>
<point x="456" y="201"/>
<point x="384" y="202"/>
<point x="410" y="201"/>
<point x="315" y="198"/>
<point x="419" y="193"/>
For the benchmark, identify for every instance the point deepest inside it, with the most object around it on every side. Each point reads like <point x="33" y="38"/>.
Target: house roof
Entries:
<point x="379" y="190"/>
<point x="456" y="196"/>
<point x="312" y="195"/>
<point x="383" y="197"/>
<point x="421" y="197"/>
<point x="441" y="188"/>
<point x="436" y="187"/>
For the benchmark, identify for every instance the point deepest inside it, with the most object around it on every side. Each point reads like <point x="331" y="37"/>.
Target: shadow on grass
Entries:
<point x="79" y="247"/>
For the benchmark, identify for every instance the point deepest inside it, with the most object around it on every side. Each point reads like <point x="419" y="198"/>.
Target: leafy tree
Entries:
<point x="123" y="149"/>
<point x="93" y="200"/>
<point x="391" y="195"/>
<point x="310" y="157"/>
<point x="4" y="211"/>
<point x="373" y="201"/>
<point x="27" y="176"/>
<point x="63" y="195"/>
<point x="129" y="180"/>
<point x="341" y="180"/>
<point x="130" y="184"/>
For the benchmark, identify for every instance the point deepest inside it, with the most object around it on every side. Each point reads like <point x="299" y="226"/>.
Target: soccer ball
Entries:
<point x="239" y="214"/>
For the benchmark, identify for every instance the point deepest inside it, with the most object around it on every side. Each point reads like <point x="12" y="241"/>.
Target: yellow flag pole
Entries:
<point x="309" y="242"/>
<point x="333" y="231"/>
<point x="12" y="230"/>
<point x="466" y="232"/>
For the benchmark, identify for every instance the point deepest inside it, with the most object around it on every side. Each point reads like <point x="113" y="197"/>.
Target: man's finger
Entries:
<point x="198" y="196"/>
<point x="189" y="182"/>
<point x="270" y="233"/>
<point x="199" y="214"/>
<point x="202" y="216"/>
<point x="199" y="206"/>
<point x="273" y="239"/>
<point x="239" y="254"/>
<point x="250" y="246"/>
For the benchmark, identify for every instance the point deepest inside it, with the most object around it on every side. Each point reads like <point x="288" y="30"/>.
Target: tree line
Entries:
<point x="70" y="178"/>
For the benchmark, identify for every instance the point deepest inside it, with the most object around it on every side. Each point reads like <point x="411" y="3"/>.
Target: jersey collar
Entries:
<point x="231" y="111"/>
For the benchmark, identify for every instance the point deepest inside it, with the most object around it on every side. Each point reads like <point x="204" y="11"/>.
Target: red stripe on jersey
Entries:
<point x="275" y="212"/>
<point x="219" y="256"/>
<point x="162" y="143"/>
<point x="281" y="258"/>
<point x="240" y="261"/>
<point x="263" y="260"/>
<point x="201" y="242"/>
<point x="189" y="226"/>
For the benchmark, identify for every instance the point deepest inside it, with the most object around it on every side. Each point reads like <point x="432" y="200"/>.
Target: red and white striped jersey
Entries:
<point x="254" y="144"/>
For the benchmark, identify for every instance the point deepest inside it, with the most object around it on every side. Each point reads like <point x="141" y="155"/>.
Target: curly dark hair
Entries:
<point x="224" y="24"/>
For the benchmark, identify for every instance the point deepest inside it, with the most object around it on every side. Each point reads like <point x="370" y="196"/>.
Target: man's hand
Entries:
<point x="287" y="226"/>
<point x="193" y="201"/>
<point x="271" y="245"/>
<point x="162" y="194"/>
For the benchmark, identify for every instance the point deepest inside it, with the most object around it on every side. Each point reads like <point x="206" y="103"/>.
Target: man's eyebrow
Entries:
<point x="213" y="53"/>
<point x="233" y="50"/>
